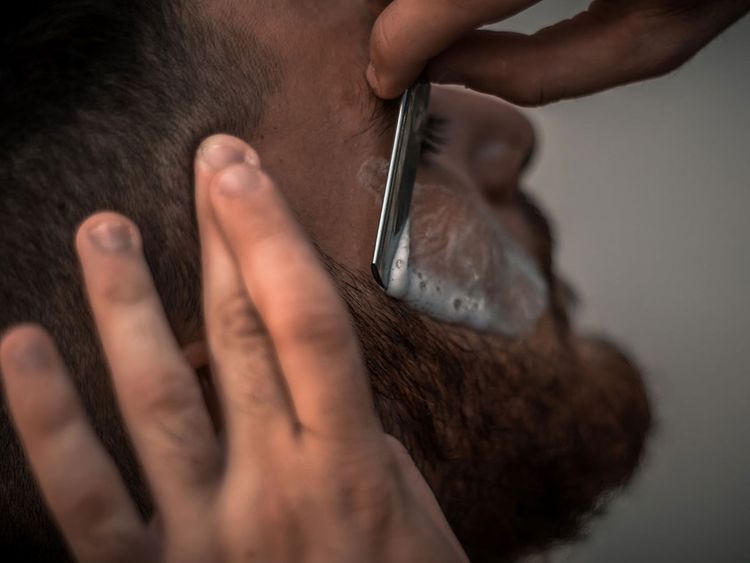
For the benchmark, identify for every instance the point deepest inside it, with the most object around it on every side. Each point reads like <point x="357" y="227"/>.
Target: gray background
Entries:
<point x="650" y="188"/>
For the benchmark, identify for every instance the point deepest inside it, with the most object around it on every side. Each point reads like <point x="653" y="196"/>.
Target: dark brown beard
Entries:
<point x="519" y="439"/>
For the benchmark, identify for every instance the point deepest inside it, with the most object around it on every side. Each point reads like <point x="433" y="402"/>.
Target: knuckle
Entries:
<point x="265" y="399"/>
<point x="318" y="324"/>
<point x="368" y="502"/>
<point x="89" y="505"/>
<point x="172" y="416"/>
<point x="659" y="42"/>
<point x="257" y="393"/>
<point x="238" y="323"/>
<point x="50" y="417"/>
<point x="520" y="82"/>
<point x="161" y="392"/>
<point x="383" y="47"/>
<point x="252" y="363"/>
<point x="238" y="533"/>
<point x="123" y="290"/>
<point x="525" y="86"/>
<point x="114" y="536"/>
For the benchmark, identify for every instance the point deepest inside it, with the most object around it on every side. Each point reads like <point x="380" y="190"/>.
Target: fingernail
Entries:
<point x="32" y="356"/>
<point x="239" y="180"/>
<point x="220" y="156"/>
<point x="372" y="78"/>
<point x="112" y="237"/>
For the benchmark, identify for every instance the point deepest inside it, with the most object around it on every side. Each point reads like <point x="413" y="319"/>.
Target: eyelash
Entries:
<point x="434" y="138"/>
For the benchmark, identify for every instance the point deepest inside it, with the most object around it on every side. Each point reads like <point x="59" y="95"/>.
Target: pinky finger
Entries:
<point x="78" y="480"/>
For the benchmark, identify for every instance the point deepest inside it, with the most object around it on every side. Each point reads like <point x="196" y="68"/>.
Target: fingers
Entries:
<point x="610" y="44"/>
<point x="158" y="392"/>
<point x="409" y="33"/>
<point x="79" y="482"/>
<point x="314" y="342"/>
<point x="573" y="58"/>
<point x="596" y="50"/>
<point x="414" y="482"/>
<point x="244" y="366"/>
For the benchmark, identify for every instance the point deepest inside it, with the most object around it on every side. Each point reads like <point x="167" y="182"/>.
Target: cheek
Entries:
<point x="457" y="264"/>
<point x="372" y="176"/>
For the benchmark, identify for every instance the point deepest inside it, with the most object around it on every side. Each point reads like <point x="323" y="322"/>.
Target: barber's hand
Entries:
<point x="304" y="471"/>
<point x="612" y="43"/>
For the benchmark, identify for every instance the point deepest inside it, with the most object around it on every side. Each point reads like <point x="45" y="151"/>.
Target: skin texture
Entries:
<point x="611" y="43"/>
<point x="321" y="180"/>
<point x="518" y="438"/>
<point x="307" y="475"/>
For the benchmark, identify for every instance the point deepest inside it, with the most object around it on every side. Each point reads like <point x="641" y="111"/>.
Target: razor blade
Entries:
<point x="402" y="174"/>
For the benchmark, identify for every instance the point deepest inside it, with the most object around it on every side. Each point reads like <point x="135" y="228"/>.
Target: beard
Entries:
<point x="518" y="438"/>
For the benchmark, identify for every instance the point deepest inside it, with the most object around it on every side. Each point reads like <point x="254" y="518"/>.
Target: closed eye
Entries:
<point x="434" y="135"/>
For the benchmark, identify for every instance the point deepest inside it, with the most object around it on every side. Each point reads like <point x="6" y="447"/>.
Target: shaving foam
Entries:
<point x="456" y="263"/>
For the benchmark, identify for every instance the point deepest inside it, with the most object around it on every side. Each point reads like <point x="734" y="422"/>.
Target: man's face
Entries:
<point x="488" y="417"/>
<point x="326" y="139"/>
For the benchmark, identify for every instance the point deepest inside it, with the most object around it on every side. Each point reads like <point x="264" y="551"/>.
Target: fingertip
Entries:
<point x="237" y="181"/>
<point x="385" y="87"/>
<point x="218" y="152"/>
<point x="233" y="194"/>
<point x="109" y="231"/>
<point x="215" y="157"/>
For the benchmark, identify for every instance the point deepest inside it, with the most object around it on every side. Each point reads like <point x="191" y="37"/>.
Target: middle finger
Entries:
<point x="256" y="405"/>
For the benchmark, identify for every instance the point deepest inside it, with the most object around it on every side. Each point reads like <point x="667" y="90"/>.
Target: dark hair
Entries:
<point x="103" y="105"/>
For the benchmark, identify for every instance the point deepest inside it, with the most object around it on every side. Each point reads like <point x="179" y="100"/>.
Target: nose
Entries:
<point x="497" y="167"/>
<point x="502" y="146"/>
<point x="491" y="141"/>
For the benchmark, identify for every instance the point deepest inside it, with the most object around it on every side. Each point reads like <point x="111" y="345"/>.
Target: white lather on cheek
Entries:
<point x="457" y="264"/>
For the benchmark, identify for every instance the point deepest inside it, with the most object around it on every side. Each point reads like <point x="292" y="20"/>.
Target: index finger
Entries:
<point x="409" y="33"/>
<point x="309" y="325"/>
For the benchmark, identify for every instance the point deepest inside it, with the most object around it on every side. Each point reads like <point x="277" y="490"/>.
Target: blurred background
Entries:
<point x="650" y="188"/>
